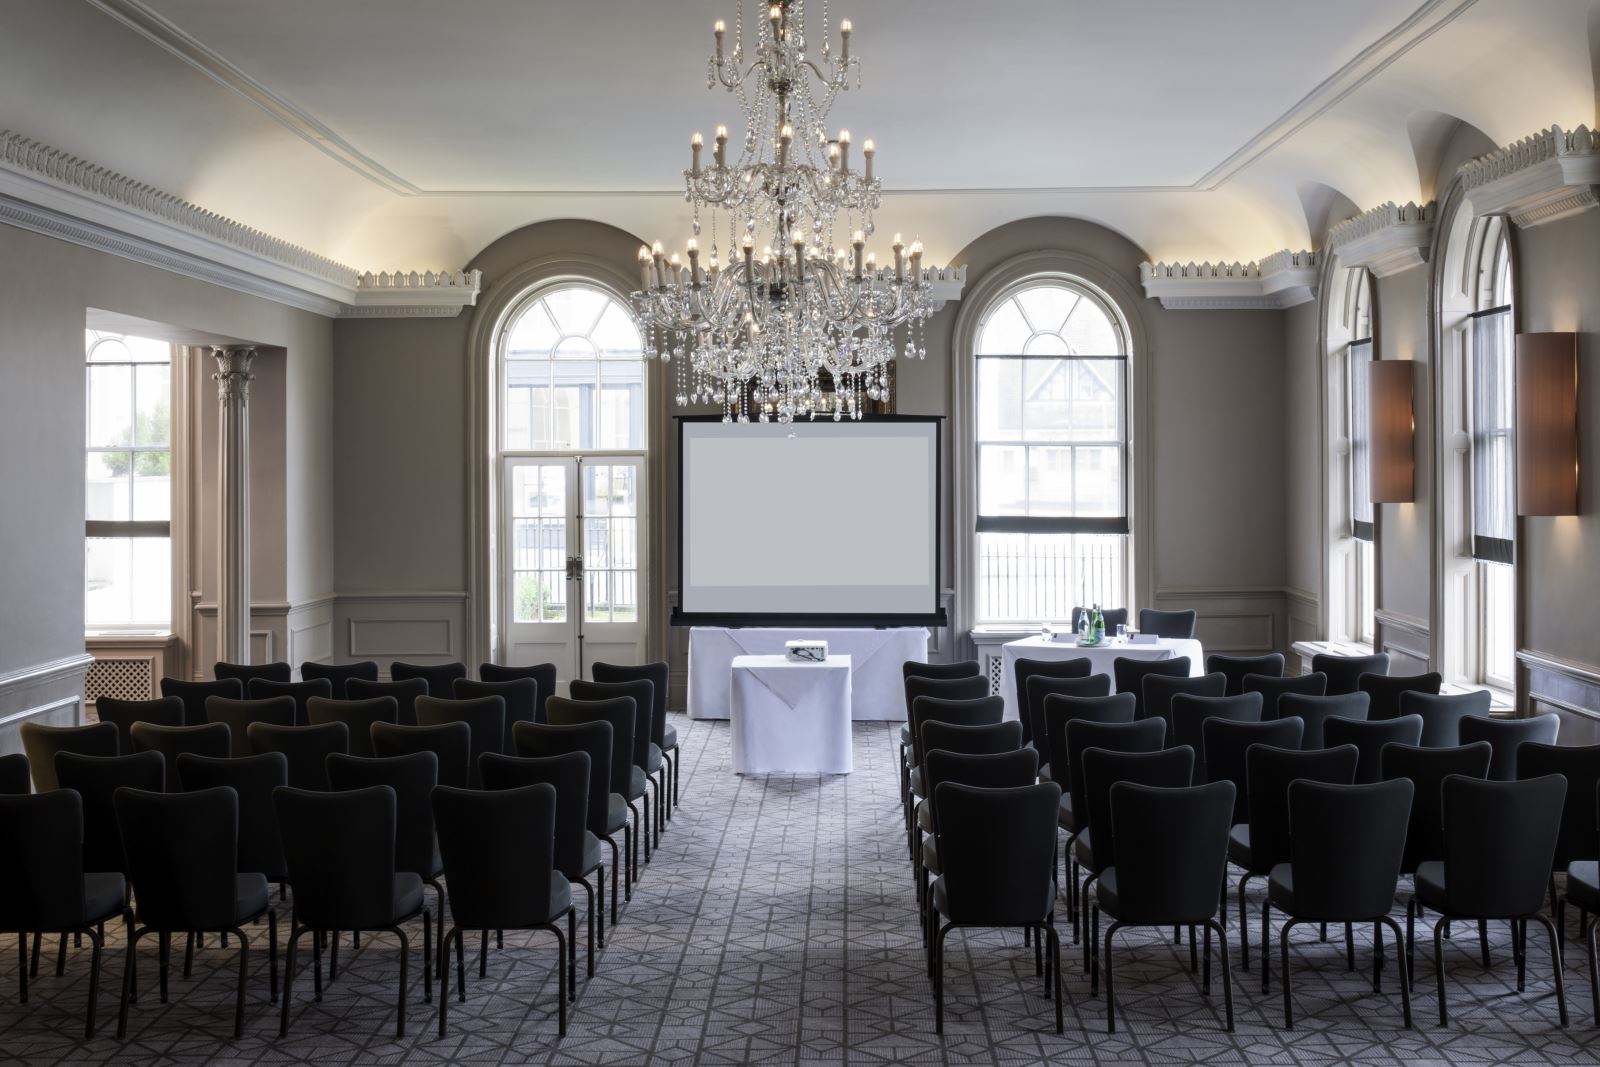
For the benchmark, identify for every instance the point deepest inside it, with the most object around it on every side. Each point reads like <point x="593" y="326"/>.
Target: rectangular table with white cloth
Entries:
<point x="877" y="689"/>
<point x="789" y="717"/>
<point x="1100" y="658"/>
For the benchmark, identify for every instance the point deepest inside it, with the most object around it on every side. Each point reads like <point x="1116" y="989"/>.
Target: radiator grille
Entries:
<point x="121" y="679"/>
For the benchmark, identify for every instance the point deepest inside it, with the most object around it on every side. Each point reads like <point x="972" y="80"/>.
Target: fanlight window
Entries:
<point x="573" y="374"/>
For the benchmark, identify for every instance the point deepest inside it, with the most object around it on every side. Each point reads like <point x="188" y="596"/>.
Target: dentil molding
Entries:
<point x="1386" y="240"/>
<point x="1539" y="179"/>
<point x="1281" y="280"/>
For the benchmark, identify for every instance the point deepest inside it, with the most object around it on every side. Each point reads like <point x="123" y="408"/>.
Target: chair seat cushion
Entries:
<point x="1105" y="892"/>
<point x="104" y="893"/>
<point x="407" y="894"/>
<point x="1064" y="815"/>
<point x="905" y="734"/>
<point x="1045" y="775"/>
<point x="1239" y="846"/>
<point x="636" y="783"/>
<point x="1430" y="884"/>
<point x="941" y="899"/>
<point x="669" y="738"/>
<point x="652" y="761"/>
<point x="560" y="896"/>
<point x="930" y="856"/>
<point x="616" y="813"/>
<point x="250" y="895"/>
<point x="916" y="782"/>
<point x="925" y="818"/>
<point x="592" y="856"/>
<point x="1583" y="884"/>
<point x="1083" y="849"/>
<point x="1280" y="888"/>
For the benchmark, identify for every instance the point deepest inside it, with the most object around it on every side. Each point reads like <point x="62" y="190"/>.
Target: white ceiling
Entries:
<point x="411" y="134"/>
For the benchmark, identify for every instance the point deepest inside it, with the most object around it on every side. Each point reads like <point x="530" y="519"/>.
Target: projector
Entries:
<point x="805" y="651"/>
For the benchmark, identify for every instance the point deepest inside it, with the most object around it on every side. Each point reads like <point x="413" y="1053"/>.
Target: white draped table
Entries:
<point x="875" y="656"/>
<point x="1100" y="658"/>
<point x="790" y="718"/>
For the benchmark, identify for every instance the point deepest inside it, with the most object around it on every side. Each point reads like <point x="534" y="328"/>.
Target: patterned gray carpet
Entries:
<point x="776" y="926"/>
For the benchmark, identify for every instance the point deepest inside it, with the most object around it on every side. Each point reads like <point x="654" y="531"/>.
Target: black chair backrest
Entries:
<point x="1182" y="855"/>
<point x="1344" y="672"/>
<point x="1130" y="673"/>
<point x="244" y="672"/>
<point x="521" y="696"/>
<point x="990" y="770"/>
<point x="339" y="675"/>
<point x="1170" y="768"/>
<point x="970" y="740"/>
<point x="485" y="718"/>
<point x="1314" y="711"/>
<point x="1143" y="735"/>
<point x="1024" y="670"/>
<point x="1442" y="714"/>
<point x="194" y="694"/>
<point x="1234" y="668"/>
<point x="441" y="677"/>
<point x="412" y="777"/>
<point x="1268" y="773"/>
<point x="340" y="850"/>
<point x="1060" y="710"/>
<point x="1580" y="823"/>
<point x="1271" y="687"/>
<point x="1112" y="617"/>
<point x="568" y="775"/>
<point x="1499" y="838"/>
<point x="41" y="743"/>
<point x="300" y="692"/>
<point x="1427" y="768"/>
<point x="996" y="848"/>
<point x="163" y="711"/>
<point x="358" y="716"/>
<point x="491" y="886"/>
<point x="1227" y="744"/>
<point x="237" y="715"/>
<point x="46" y="892"/>
<point x="15" y="777"/>
<point x="1506" y="736"/>
<point x="982" y="711"/>
<point x="543" y="675"/>
<point x="657" y="674"/>
<point x="967" y="668"/>
<point x="1161" y="689"/>
<point x="1189" y="714"/>
<point x="591" y="738"/>
<point x="451" y="745"/>
<point x="622" y="716"/>
<point x="1171" y="624"/>
<point x="182" y="851"/>
<point x="642" y="692"/>
<point x="1369" y="738"/>
<point x="307" y="749"/>
<point x="1385" y="690"/>
<point x="252" y="779"/>
<point x="963" y="687"/>
<point x="1040" y="688"/>
<point x="1346" y="843"/>
<point x="405" y="693"/>
<point x="208" y="739"/>
<point x="96" y="780"/>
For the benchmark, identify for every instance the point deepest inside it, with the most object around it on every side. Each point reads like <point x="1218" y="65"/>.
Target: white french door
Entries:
<point x="572" y="557"/>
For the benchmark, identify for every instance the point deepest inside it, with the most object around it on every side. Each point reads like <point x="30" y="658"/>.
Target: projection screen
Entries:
<point x="814" y="523"/>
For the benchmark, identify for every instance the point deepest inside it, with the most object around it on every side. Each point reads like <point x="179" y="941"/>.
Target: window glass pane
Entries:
<point x="1097" y="481"/>
<point x="1000" y="399"/>
<point x="616" y="335"/>
<point x="574" y="375"/>
<point x="576" y="309"/>
<point x="128" y="582"/>
<point x="1003" y="332"/>
<point x="110" y="406"/>
<point x="1049" y="481"/>
<point x="533" y="336"/>
<point x="107" y="487"/>
<point x="1002" y="480"/>
<point x="103" y="347"/>
<point x="1045" y="344"/>
<point x="1047" y="306"/>
<point x="1090" y="332"/>
<point x="153" y="396"/>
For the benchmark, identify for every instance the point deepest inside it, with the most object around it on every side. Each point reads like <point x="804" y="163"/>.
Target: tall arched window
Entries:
<point x="1051" y="422"/>
<point x="1357" y="580"/>
<point x="1492" y="412"/>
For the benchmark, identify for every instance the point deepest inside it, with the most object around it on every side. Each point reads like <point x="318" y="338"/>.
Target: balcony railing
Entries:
<point x="1035" y="578"/>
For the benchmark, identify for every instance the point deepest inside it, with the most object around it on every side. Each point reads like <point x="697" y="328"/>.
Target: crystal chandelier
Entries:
<point x="788" y="300"/>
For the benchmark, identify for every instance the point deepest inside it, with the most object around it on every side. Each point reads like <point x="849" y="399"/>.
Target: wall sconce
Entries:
<point x="1390" y="384"/>
<point x="1547" y="423"/>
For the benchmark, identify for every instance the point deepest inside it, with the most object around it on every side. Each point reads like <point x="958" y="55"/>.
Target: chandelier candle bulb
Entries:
<point x="775" y="13"/>
<point x="844" y="40"/>
<point x="785" y="136"/>
<point x="718" y="29"/>
<point x="899" y="260"/>
<point x="867" y="150"/>
<point x="721" y="152"/>
<point x="694" y="262"/>
<point x="844" y="151"/>
<point x="644" y="267"/>
<point x="695" y="144"/>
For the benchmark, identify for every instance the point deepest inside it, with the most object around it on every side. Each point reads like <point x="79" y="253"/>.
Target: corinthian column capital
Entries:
<point x="233" y="375"/>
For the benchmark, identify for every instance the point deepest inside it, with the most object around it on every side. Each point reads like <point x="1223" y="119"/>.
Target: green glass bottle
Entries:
<point x="1097" y="626"/>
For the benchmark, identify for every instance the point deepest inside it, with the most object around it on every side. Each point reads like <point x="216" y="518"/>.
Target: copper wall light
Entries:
<point x="1390" y="384"/>
<point x="1547" y="423"/>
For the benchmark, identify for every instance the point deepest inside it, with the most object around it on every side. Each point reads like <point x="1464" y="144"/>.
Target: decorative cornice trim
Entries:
<point x="1550" y="175"/>
<point x="1386" y="240"/>
<point x="1279" y="281"/>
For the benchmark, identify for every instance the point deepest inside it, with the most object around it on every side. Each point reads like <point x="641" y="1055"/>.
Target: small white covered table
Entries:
<point x="877" y="690"/>
<point x="1099" y="657"/>
<point x="791" y="718"/>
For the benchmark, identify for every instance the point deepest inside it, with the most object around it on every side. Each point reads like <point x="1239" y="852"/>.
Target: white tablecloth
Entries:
<point x="790" y="717"/>
<point x="876" y="656"/>
<point x="1100" y="658"/>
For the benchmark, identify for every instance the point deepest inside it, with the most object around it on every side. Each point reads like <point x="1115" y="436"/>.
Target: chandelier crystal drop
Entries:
<point x="784" y="314"/>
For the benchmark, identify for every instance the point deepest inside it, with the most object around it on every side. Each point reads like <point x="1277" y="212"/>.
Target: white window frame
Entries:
<point x="1352" y="562"/>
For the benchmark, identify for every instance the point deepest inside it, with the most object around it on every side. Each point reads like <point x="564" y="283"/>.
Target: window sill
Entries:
<point x="1502" y="703"/>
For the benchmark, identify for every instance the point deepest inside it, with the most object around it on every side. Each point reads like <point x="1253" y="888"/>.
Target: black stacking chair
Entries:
<point x="339" y="675"/>
<point x="1262" y="843"/>
<point x="1442" y="714"/>
<point x="1369" y="738"/>
<point x="1273" y="687"/>
<point x="1583" y="892"/>
<point x="1190" y="714"/>
<point x="1386" y="689"/>
<point x="357" y="716"/>
<point x="1235" y="668"/>
<point x="1161" y="689"/>
<point x="652" y="730"/>
<point x="1170" y="624"/>
<point x="577" y="854"/>
<point x="1171" y="878"/>
<point x="1058" y="711"/>
<point x="1520" y="822"/>
<point x="307" y="749"/>
<point x="301" y="692"/>
<point x="497" y="888"/>
<point x="451" y="745"/>
<point x="15" y="778"/>
<point x="970" y="740"/>
<point x="1113" y="617"/>
<point x="543" y="675"/>
<point x="1226" y="745"/>
<point x="1130" y="674"/>
<point x="1345" y="844"/>
<point x="1041" y="688"/>
<point x="194" y="695"/>
<point x="662" y="735"/>
<point x="949" y="686"/>
<point x="1344" y="672"/>
<point x="181" y="850"/>
<point x="1506" y="736"/>
<point x="55" y="892"/>
<point x="245" y="672"/>
<point x="341" y="853"/>
<point x="485" y="718"/>
<point x="405" y="695"/>
<point x="42" y="743"/>
<point x="996" y="850"/>
<point x="1314" y="711"/>
<point x="621" y="716"/>
<point x="163" y="711"/>
<point x="594" y="740"/>
<point x="979" y="711"/>
<point x="642" y="693"/>
<point x="1024" y="670"/>
<point x="237" y="715"/>
<point x="441" y="677"/>
<point x="210" y="739"/>
<point x="252" y="779"/>
<point x="968" y="668"/>
<point x="1579" y="839"/>
<point x="521" y="696"/>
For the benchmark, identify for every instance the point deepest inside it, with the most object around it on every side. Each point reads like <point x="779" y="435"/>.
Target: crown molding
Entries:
<point x="1386" y="240"/>
<point x="59" y="195"/>
<point x="1279" y="281"/>
<point x="1551" y="175"/>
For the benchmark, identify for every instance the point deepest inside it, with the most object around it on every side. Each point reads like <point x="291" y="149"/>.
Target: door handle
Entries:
<point x="574" y="568"/>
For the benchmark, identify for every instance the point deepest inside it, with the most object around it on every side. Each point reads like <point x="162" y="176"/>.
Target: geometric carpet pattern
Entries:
<point x="776" y="925"/>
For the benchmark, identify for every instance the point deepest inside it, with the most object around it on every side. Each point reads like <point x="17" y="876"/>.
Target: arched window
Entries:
<point x="1051" y="384"/>
<point x="1354" y="565"/>
<point x="1492" y="413"/>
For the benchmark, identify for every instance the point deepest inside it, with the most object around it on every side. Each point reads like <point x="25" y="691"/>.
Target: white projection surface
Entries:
<point x="810" y="519"/>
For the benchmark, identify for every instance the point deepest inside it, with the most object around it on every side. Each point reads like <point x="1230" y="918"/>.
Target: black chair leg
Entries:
<point x="561" y="982"/>
<point x="1438" y="955"/>
<point x="1349" y="947"/>
<point x="295" y="930"/>
<point x="1244" y="926"/>
<point x="1227" y="975"/>
<point x="127" y="982"/>
<point x="427" y="956"/>
<point x="22" y="968"/>
<point x="1483" y="940"/>
<point x="1283" y="947"/>
<point x="452" y="937"/>
<point x="1055" y="956"/>
<point x="1400" y="962"/>
<point x="1266" y="944"/>
<point x="938" y="976"/>
<point x="1593" y="929"/>
<point x="244" y="976"/>
<point x="164" y="941"/>
<point x="61" y="954"/>
<point x="1111" y="988"/>
<point x="97" y="940"/>
<point x="572" y="957"/>
<point x="400" y="1000"/>
<point x="1555" y="960"/>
